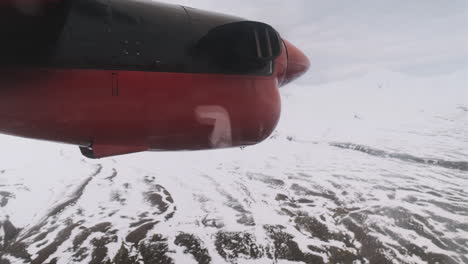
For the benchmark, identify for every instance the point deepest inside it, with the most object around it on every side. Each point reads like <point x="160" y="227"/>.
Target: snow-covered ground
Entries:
<point x="371" y="170"/>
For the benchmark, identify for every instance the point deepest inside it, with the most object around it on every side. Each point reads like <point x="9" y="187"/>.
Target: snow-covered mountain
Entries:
<point x="372" y="170"/>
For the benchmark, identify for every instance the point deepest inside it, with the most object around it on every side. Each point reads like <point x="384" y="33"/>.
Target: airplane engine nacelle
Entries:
<point x="121" y="76"/>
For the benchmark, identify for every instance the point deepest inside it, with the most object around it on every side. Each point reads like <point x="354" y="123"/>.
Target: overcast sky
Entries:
<point x="349" y="38"/>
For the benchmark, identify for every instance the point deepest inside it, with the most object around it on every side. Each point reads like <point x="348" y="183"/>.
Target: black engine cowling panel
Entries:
<point x="138" y="35"/>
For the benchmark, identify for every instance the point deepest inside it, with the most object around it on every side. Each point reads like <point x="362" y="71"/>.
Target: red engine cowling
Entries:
<point x="124" y="76"/>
